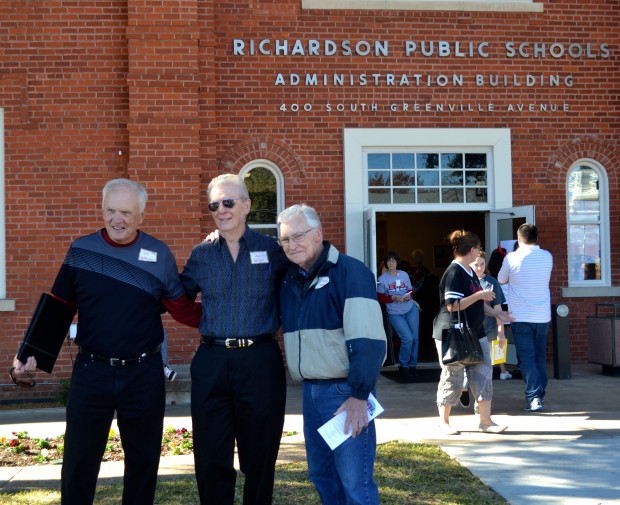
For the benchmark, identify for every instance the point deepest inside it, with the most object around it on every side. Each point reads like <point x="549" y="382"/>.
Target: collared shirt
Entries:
<point x="239" y="298"/>
<point x="527" y="272"/>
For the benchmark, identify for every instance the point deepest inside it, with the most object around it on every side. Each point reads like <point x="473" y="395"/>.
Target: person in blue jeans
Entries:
<point x="394" y="289"/>
<point x="335" y="342"/>
<point x="527" y="272"/>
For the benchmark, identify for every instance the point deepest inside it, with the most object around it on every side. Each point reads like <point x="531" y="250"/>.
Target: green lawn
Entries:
<point x="406" y="473"/>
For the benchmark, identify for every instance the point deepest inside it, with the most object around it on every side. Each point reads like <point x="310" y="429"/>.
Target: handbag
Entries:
<point x="458" y="344"/>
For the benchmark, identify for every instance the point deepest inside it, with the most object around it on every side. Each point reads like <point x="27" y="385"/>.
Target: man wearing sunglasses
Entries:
<point x="238" y="381"/>
<point x="336" y="344"/>
<point x="118" y="278"/>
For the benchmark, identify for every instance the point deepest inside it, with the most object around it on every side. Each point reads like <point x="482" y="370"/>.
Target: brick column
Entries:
<point x="163" y="85"/>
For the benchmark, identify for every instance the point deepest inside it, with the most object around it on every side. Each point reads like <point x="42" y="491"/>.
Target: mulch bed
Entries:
<point x="19" y="449"/>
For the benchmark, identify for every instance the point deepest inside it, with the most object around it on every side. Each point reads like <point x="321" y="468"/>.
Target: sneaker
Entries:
<point x="169" y="373"/>
<point x="464" y="400"/>
<point x="534" y="406"/>
<point x="505" y="375"/>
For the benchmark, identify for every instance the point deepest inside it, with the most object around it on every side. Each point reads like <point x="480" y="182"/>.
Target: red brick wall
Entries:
<point x="157" y="81"/>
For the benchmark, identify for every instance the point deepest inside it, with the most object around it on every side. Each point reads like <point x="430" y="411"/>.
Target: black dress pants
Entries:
<point x="136" y="392"/>
<point x="237" y="395"/>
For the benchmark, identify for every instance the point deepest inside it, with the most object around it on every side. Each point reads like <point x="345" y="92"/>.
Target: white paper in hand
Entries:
<point x="333" y="430"/>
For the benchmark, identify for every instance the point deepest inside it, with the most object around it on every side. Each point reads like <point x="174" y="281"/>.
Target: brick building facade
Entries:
<point x="364" y="111"/>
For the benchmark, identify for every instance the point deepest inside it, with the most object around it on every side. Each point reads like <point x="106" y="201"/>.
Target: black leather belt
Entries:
<point x="237" y="343"/>
<point x="120" y="361"/>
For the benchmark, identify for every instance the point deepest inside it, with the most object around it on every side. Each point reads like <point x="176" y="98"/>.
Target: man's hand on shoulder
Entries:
<point x="212" y="237"/>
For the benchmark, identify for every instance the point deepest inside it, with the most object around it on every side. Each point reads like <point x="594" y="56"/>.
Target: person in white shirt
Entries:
<point x="527" y="271"/>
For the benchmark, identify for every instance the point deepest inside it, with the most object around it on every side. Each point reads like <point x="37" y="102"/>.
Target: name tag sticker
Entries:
<point x="322" y="281"/>
<point x="259" y="257"/>
<point x="146" y="255"/>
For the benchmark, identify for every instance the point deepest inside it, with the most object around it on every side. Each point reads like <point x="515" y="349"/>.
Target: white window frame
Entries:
<point x="602" y="222"/>
<point x="275" y="170"/>
<point x="422" y="150"/>
<point x="5" y="304"/>
<point x="426" y="5"/>
<point x="358" y="141"/>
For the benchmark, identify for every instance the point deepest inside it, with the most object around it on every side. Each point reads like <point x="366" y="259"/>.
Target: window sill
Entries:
<point x="424" y="5"/>
<point x="7" y="305"/>
<point x="593" y="292"/>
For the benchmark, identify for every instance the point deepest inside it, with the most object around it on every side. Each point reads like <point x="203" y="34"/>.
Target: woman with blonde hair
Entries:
<point x="459" y="289"/>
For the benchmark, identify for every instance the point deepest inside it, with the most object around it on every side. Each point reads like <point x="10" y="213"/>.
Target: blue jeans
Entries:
<point x="531" y="343"/>
<point x="407" y="327"/>
<point x="343" y="476"/>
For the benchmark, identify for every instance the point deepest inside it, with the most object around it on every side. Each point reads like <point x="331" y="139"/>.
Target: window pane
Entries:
<point x="402" y="160"/>
<point x="262" y="185"/>
<point x="379" y="196"/>
<point x="451" y="195"/>
<point x="584" y="252"/>
<point x="475" y="160"/>
<point x="404" y="178"/>
<point x="428" y="178"/>
<point x="404" y="195"/>
<point x="427" y="160"/>
<point x="271" y="231"/>
<point x="475" y="178"/>
<point x="583" y="195"/>
<point x="428" y="195"/>
<point x="428" y="170"/>
<point x="378" y="161"/>
<point x="451" y="178"/>
<point x="451" y="160"/>
<point x="378" y="178"/>
<point x="476" y="195"/>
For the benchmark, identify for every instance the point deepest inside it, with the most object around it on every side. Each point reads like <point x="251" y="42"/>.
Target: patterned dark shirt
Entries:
<point x="118" y="291"/>
<point x="239" y="298"/>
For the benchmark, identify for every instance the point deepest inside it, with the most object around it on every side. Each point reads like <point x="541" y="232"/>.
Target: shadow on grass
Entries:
<point x="406" y="474"/>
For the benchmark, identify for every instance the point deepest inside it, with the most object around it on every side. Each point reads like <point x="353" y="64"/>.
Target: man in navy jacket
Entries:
<point x="335" y="342"/>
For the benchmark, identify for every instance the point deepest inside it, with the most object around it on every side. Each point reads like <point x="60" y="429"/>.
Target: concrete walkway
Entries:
<point x="568" y="454"/>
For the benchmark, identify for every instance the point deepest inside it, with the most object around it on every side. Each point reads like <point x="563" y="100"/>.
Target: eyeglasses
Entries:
<point x="295" y="237"/>
<point x="22" y="379"/>
<point x="392" y="259"/>
<point x="229" y="203"/>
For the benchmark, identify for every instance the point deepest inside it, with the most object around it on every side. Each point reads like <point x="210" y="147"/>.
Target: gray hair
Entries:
<point x="138" y="189"/>
<point x="312" y="218"/>
<point x="229" y="180"/>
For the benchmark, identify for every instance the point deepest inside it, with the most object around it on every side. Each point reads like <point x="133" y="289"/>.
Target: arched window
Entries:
<point x="266" y="186"/>
<point x="588" y="225"/>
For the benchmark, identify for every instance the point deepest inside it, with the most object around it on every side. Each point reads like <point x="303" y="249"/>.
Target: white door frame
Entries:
<point x="370" y="239"/>
<point x="357" y="140"/>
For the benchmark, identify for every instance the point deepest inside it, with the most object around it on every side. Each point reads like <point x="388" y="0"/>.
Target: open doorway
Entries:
<point x="405" y="232"/>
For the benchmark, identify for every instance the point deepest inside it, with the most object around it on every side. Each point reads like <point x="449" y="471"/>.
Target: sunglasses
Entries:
<point x="229" y="203"/>
<point x="23" y="379"/>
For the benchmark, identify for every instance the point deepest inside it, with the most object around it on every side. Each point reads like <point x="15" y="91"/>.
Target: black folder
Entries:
<point x="47" y="331"/>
